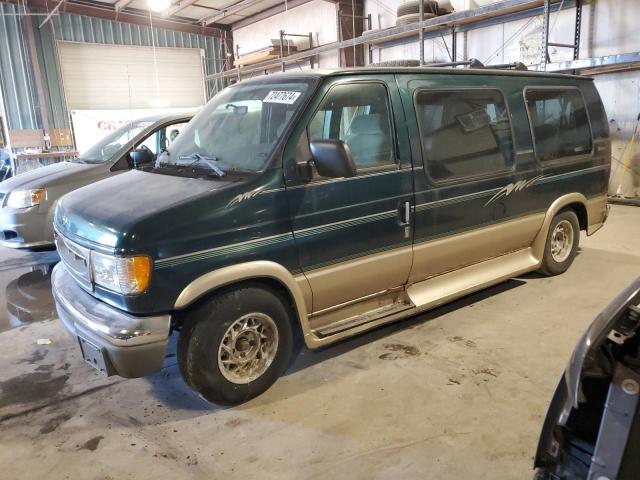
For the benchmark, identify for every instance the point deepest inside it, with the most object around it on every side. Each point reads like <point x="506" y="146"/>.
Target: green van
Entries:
<point x="313" y="206"/>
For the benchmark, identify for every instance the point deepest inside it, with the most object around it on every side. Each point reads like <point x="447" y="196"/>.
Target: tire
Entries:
<point x="563" y="226"/>
<point x="412" y="18"/>
<point x="202" y="357"/>
<point x="413" y="7"/>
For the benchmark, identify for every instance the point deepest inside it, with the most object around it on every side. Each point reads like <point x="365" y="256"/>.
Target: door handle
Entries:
<point x="405" y="213"/>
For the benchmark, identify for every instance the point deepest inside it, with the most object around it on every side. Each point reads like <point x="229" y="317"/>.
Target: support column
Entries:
<point x="37" y="74"/>
<point x="350" y="25"/>
<point x="576" y="37"/>
<point x="544" y="41"/>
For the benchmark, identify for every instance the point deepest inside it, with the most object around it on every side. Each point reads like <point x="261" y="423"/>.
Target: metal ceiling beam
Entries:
<point x="120" y="4"/>
<point x="179" y="6"/>
<point x="51" y="14"/>
<point x="228" y="11"/>
<point x="126" y="17"/>
<point x="267" y="13"/>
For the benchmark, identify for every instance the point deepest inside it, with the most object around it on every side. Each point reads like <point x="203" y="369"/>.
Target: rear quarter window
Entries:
<point x="464" y="133"/>
<point x="559" y="123"/>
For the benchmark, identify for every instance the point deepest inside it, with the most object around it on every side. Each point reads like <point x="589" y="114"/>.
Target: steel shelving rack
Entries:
<point x="453" y="23"/>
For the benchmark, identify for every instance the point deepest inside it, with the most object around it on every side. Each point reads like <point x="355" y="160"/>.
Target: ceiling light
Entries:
<point x="158" y="5"/>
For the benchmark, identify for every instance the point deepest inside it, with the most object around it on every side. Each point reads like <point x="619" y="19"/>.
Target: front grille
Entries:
<point x="75" y="258"/>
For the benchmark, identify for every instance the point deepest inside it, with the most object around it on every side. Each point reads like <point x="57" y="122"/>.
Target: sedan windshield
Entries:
<point x="109" y="146"/>
<point x="236" y="131"/>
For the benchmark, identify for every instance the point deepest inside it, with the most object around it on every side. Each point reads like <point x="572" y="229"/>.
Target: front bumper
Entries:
<point x="131" y="346"/>
<point x="24" y="228"/>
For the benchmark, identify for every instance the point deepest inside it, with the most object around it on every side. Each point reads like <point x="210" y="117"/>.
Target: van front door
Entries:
<point x="353" y="235"/>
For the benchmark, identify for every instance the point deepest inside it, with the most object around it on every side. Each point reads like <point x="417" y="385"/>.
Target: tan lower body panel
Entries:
<point x="359" y="278"/>
<point x="445" y="288"/>
<point x="452" y="252"/>
<point x="305" y="288"/>
<point x="358" y="307"/>
<point x="597" y="213"/>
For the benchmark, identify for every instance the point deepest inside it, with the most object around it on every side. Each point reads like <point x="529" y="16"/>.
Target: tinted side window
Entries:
<point x="559" y="123"/>
<point x="357" y="114"/>
<point x="464" y="133"/>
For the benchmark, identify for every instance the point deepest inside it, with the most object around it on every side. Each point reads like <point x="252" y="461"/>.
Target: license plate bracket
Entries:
<point x="93" y="355"/>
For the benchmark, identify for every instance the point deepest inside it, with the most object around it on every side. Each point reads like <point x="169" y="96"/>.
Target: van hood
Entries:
<point x="135" y="208"/>
<point x="53" y="175"/>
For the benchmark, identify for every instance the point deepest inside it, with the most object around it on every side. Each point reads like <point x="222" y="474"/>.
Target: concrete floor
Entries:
<point x="457" y="393"/>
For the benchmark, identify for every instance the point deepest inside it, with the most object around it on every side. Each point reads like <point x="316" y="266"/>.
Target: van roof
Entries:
<point x="426" y="69"/>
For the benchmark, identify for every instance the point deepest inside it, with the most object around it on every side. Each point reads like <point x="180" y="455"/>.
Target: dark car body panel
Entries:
<point x="176" y="221"/>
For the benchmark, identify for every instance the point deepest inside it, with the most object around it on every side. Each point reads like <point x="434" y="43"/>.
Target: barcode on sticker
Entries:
<point x="281" y="96"/>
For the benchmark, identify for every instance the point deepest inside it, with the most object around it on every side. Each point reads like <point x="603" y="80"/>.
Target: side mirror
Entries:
<point x="141" y="157"/>
<point x="332" y="158"/>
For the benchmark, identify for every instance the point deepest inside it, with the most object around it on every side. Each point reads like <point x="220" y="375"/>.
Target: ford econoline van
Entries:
<point x="319" y="205"/>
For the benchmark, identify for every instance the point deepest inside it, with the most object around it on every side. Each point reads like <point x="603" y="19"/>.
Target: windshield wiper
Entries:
<point x="208" y="161"/>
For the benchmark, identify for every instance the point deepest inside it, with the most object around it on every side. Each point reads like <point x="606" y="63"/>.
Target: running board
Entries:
<point x="449" y="286"/>
<point x="357" y="320"/>
<point x="429" y="294"/>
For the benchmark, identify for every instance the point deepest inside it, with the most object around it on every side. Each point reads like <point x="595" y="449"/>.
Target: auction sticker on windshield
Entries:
<point x="281" y="96"/>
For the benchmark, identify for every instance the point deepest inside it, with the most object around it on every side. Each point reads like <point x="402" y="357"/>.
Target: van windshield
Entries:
<point x="109" y="146"/>
<point x="236" y="131"/>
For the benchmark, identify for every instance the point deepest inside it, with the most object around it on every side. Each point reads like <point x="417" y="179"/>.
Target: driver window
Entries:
<point x="357" y="114"/>
<point x="163" y="137"/>
<point x="151" y="142"/>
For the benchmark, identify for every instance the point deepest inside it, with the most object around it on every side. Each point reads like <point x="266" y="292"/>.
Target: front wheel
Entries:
<point x="562" y="243"/>
<point x="234" y="346"/>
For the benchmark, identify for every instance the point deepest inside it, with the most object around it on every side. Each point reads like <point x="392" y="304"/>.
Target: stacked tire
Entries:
<point x="413" y="18"/>
<point x="409" y="12"/>
<point x="413" y="8"/>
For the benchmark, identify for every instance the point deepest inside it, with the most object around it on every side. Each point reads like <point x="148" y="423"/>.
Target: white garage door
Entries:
<point x="124" y="77"/>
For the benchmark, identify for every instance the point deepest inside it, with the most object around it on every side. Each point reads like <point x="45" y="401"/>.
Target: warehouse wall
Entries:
<point x="498" y="42"/>
<point x="318" y="16"/>
<point x="17" y="76"/>
<point x="620" y="93"/>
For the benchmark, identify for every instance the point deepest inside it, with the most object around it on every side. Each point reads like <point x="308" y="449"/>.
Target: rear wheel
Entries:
<point x="562" y="243"/>
<point x="234" y="346"/>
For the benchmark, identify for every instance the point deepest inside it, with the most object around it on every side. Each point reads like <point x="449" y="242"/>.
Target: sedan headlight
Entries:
<point x="126" y="275"/>
<point x="25" y="198"/>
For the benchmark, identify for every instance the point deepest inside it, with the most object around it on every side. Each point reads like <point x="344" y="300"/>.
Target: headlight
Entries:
<point x="126" y="275"/>
<point x="25" y="198"/>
